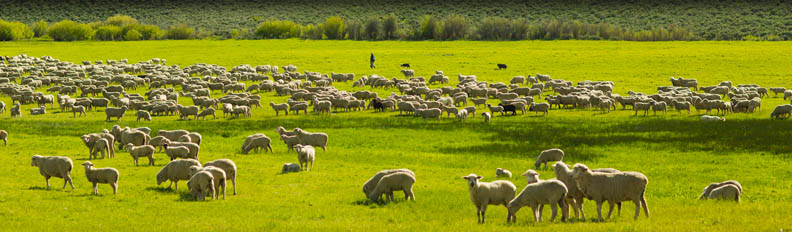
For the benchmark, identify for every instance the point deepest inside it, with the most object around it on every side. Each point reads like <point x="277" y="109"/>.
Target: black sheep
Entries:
<point x="508" y="108"/>
<point x="378" y="105"/>
<point x="405" y="65"/>
<point x="501" y="66"/>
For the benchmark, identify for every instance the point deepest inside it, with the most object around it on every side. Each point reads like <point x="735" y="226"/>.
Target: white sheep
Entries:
<point x="117" y="113"/>
<point x="612" y="187"/>
<point x="538" y="193"/>
<point x="290" y="167"/>
<point x="78" y="109"/>
<point x="158" y="141"/>
<point x="487" y="116"/>
<point x="781" y="111"/>
<point x="176" y="170"/>
<point x="174" y="152"/>
<point x="290" y="141"/>
<point x="101" y="175"/>
<point x="548" y="155"/>
<point x="708" y="118"/>
<point x="372" y="182"/>
<point x="429" y="113"/>
<point x="305" y="154"/>
<point x="172" y="135"/>
<point x="462" y="115"/>
<point x="54" y="166"/>
<point x="500" y="172"/>
<point x="280" y="107"/>
<point x="103" y="146"/>
<point x="725" y="192"/>
<point x="142" y="114"/>
<point x="218" y="175"/>
<point x="540" y="107"/>
<point x="574" y="195"/>
<point x="499" y="192"/>
<point x="709" y="189"/>
<point x="495" y="109"/>
<point x="230" y="169"/>
<point x="399" y="181"/>
<point x="316" y="139"/>
<point x="141" y="151"/>
<point x="201" y="184"/>
<point x="256" y="142"/>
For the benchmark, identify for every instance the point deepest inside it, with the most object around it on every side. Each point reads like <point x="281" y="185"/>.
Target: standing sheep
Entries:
<point x="305" y="155"/>
<point x="117" y="113"/>
<point x="178" y="152"/>
<point x="316" y="139"/>
<point x="172" y="135"/>
<point x="280" y="107"/>
<point x="142" y="114"/>
<point x="229" y="167"/>
<point x="399" y="181"/>
<point x="574" y="195"/>
<point x="54" y="166"/>
<point x="176" y="170"/>
<point x="372" y="182"/>
<point x="290" y="141"/>
<point x="78" y="109"/>
<point x="538" y="193"/>
<point x="708" y="190"/>
<point x="201" y="184"/>
<point x="725" y="192"/>
<point x="141" y="151"/>
<point x="499" y="192"/>
<point x="256" y="142"/>
<point x="548" y="155"/>
<point x="612" y="187"/>
<point x="487" y="116"/>
<point x="103" y="146"/>
<point x="218" y="175"/>
<point x="540" y="107"/>
<point x="101" y="175"/>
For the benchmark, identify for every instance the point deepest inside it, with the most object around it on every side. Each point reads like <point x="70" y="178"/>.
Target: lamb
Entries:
<point x="256" y="142"/>
<point x="4" y="137"/>
<point x="399" y="181"/>
<point x="201" y="184"/>
<point x="500" y="172"/>
<point x="708" y="118"/>
<point x="710" y="188"/>
<point x="541" y="107"/>
<point x="372" y="182"/>
<point x="143" y="114"/>
<point x="305" y="154"/>
<point x="54" y="166"/>
<point x="536" y="194"/>
<point x="612" y="187"/>
<point x="290" y="167"/>
<point x="316" y="139"/>
<point x="176" y="170"/>
<point x="644" y="106"/>
<point x="103" y="146"/>
<point x="78" y="109"/>
<point x="290" y="141"/>
<point x="117" y="113"/>
<point x="548" y="155"/>
<point x="659" y="106"/>
<point x="681" y="105"/>
<point x="496" y="109"/>
<point x="207" y="112"/>
<point x="462" y="115"/>
<point x="280" y="107"/>
<point x="218" y="175"/>
<point x="725" y="192"/>
<point x="782" y="110"/>
<point x="101" y="175"/>
<point x="574" y="195"/>
<point x="230" y="169"/>
<point x="499" y="192"/>
<point x="141" y="151"/>
<point x="186" y="111"/>
<point x="486" y="116"/>
<point x="178" y="152"/>
<point x="172" y="135"/>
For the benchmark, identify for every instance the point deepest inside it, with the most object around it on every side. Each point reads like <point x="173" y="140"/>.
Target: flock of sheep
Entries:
<point x="105" y="84"/>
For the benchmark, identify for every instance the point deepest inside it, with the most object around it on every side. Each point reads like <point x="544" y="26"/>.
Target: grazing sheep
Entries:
<point x="256" y="142"/>
<point x="500" y="172"/>
<point x="305" y="154"/>
<point x="708" y="118"/>
<point x="486" y="116"/>
<point x="372" y="182"/>
<point x="725" y="192"/>
<point x="496" y="109"/>
<point x="4" y="137"/>
<point x="548" y="155"/>
<point x="143" y="114"/>
<point x="280" y="107"/>
<point x="101" y="175"/>
<point x="172" y="135"/>
<point x="612" y="187"/>
<point x="290" y="141"/>
<point x="103" y="146"/>
<point x="540" y="107"/>
<point x="207" y="112"/>
<point x="195" y="137"/>
<point x="117" y="113"/>
<point x="230" y="169"/>
<point x="219" y="176"/>
<point x="290" y="167"/>
<point x="429" y="113"/>
<point x="133" y="136"/>
<point x="399" y="181"/>
<point x="297" y="107"/>
<point x="499" y="192"/>
<point x="574" y="195"/>
<point x="711" y="187"/>
<point x="461" y="115"/>
<point x="186" y="111"/>
<point x="201" y="184"/>
<point x="316" y="139"/>
<point x="538" y="193"/>
<point x="141" y="151"/>
<point x="158" y="141"/>
<point x="782" y="110"/>
<point x="16" y="111"/>
<point x="176" y="170"/>
<point x="178" y="152"/>
<point x="78" y="109"/>
<point x="54" y="166"/>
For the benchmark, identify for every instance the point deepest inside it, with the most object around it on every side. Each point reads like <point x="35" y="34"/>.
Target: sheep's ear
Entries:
<point x="479" y="177"/>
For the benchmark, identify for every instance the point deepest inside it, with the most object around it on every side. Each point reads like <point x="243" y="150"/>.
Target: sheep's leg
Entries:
<point x="95" y="189"/>
<point x="599" y="210"/>
<point x="233" y="181"/>
<point x="554" y="210"/>
<point x="646" y="207"/>
<point x="478" y="214"/>
<point x="618" y="207"/>
<point x="610" y="210"/>
<point x="580" y="207"/>
<point x="46" y="179"/>
<point x="115" y="187"/>
<point x="541" y="209"/>
<point x="637" y="208"/>
<point x="535" y="210"/>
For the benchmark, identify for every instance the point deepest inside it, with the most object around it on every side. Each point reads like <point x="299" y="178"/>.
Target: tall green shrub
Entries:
<point x="132" y="35"/>
<point x="277" y="29"/>
<point x="454" y="27"/>
<point x="14" y="31"/>
<point x="179" y="32"/>
<point x="121" y="20"/>
<point x="428" y="28"/>
<point x="390" y="27"/>
<point x="109" y="32"/>
<point x="40" y="28"/>
<point x="311" y="31"/>
<point x="371" y="28"/>
<point x="353" y="30"/>
<point x="150" y="32"/>
<point x="67" y="30"/>
<point x="333" y="28"/>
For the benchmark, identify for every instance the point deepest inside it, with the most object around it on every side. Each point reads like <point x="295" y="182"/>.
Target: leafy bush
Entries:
<point x="150" y="32"/>
<point x="277" y="29"/>
<point x="390" y="27"/>
<point x="14" y="31"/>
<point x="353" y="29"/>
<point x="311" y="32"/>
<point x="371" y="29"/>
<point x="333" y="28"/>
<point x="67" y="30"/>
<point x="132" y="35"/>
<point x="454" y="27"/>
<point x="179" y="32"/>
<point x="428" y="28"/>
<point x="40" y="28"/>
<point x="109" y="32"/>
<point x="121" y="20"/>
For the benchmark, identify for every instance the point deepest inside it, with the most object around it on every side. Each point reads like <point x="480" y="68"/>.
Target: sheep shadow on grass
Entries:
<point x="161" y="189"/>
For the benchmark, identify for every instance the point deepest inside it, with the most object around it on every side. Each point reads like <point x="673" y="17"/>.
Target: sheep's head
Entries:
<point x="531" y="176"/>
<point x="87" y="164"/>
<point x="129" y="146"/>
<point x="707" y="190"/>
<point x="35" y="160"/>
<point x="578" y="170"/>
<point x="472" y="179"/>
<point x="193" y="170"/>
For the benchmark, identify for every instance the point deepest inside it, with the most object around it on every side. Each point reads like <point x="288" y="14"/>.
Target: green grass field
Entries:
<point x="678" y="153"/>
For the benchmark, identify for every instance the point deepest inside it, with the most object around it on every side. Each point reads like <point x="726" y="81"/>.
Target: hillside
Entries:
<point x="711" y="20"/>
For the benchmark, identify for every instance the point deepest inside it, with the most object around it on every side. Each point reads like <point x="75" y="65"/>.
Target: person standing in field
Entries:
<point x="372" y="61"/>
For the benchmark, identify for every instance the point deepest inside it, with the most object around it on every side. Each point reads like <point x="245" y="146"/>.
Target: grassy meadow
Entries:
<point x="677" y="152"/>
